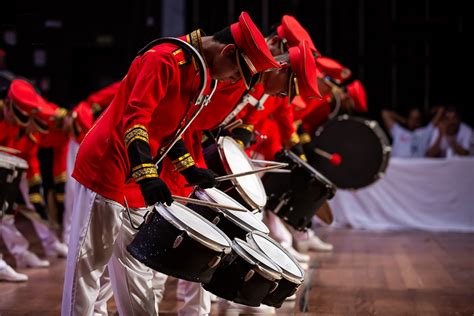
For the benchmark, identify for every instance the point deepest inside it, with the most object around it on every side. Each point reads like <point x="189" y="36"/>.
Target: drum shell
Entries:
<point x="9" y="190"/>
<point x="285" y="289"/>
<point x="305" y="191"/>
<point x="229" y="282"/>
<point x="214" y="162"/>
<point x="153" y="246"/>
<point x="231" y="229"/>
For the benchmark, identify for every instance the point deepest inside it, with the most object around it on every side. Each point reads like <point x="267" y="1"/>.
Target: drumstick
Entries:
<point x="236" y="175"/>
<point x="10" y="150"/>
<point x="266" y="162"/>
<point x="335" y="159"/>
<point x="234" y="124"/>
<point x="207" y="203"/>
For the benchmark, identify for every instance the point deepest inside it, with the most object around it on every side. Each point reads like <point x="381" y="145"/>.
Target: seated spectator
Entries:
<point x="452" y="138"/>
<point x="409" y="138"/>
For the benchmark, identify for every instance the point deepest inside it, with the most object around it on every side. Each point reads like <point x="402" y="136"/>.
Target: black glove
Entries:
<point x="154" y="190"/>
<point x="242" y="135"/>
<point x="204" y="178"/>
<point x="308" y="149"/>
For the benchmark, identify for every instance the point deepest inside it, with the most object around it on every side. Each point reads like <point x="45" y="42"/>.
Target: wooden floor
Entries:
<point x="369" y="273"/>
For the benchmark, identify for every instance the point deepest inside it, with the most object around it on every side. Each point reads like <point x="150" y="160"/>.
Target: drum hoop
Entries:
<point x="265" y="271"/>
<point x="286" y="274"/>
<point x="16" y="162"/>
<point x="197" y="236"/>
<point x="235" y="182"/>
<point x="379" y="133"/>
<point x="228" y="214"/>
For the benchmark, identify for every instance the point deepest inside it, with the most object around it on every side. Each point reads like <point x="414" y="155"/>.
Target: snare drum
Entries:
<point x="232" y="223"/>
<point x="177" y="241"/>
<point x="363" y="146"/>
<point x="227" y="157"/>
<point x="11" y="171"/>
<point x="292" y="272"/>
<point x="246" y="277"/>
<point x="295" y="197"/>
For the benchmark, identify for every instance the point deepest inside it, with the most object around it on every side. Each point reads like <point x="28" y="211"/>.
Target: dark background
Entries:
<point x="407" y="53"/>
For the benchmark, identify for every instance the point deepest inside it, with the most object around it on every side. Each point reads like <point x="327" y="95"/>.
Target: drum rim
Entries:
<point x="16" y="162"/>
<point x="191" y="232"/>
<point x="379" y="133"/>
<point x="229" y="214"/>
<point x="286" y="274"/>
<point x="269" y="273"/>
<point x="235" y="182"/>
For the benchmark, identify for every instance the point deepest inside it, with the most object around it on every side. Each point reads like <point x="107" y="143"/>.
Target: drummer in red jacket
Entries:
<point x="124" y="139"/>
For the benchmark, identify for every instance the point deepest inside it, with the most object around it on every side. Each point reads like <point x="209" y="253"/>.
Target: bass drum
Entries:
<point x="362" y="145"/>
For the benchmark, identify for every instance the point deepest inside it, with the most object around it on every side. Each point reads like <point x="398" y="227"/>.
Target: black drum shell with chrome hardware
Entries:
<point x="153" y="246"/>
<point x="291" y="279"/>
<point x="362" y="145"/>
<point x="12" y="169"/>
<point x="304" y="190"/>
<point x="229" y="282"/>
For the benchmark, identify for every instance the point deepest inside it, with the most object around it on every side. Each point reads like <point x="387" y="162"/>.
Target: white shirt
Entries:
<point x="408" y="143"/>
<point x="463" y="138"/>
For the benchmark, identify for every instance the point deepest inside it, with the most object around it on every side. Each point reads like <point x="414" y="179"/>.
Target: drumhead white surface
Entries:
<point x="239" y="162"/>
<point x="277" y="255"/>
<point x="7" y="160"/>
<point x="256" y="255"/>
<point x="244" y="218"/>
<point x="194" y="222"/>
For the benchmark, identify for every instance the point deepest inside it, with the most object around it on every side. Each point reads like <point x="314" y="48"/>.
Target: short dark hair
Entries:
<point x="224" y="36"/>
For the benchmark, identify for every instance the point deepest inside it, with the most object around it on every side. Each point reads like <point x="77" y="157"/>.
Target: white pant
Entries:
<point x="132" y="281"/>
<point x="69" y="189"/>
<point x="14" y="240"/>
<point x="278" y="230"/>
<point x="197" y="301"/>
<point x="97" y="223"/>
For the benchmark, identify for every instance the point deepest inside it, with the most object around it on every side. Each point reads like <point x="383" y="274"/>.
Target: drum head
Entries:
<point x="195" y="225"/>
<point x="9" y="162"/>
<point x="237" y="161"/>
<point x="274" y="251"/>
<point x="363" y="146"/>
<point x="246" y="220"/>
<point x="254" y="256"/>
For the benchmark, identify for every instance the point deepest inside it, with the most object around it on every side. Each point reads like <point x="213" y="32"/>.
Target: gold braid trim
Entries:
<point x="147" y="172"/>
<point x="34" y="180"/>
<point x="60" y="178"/>
<point x="134" y="133"/>
<point x="186" y="155"/>
<point x="35" y="198"/>
<point x="248" y="127"/>
<point x="60" y="197"/>
<point x="143" y="165"/>
<point x="294" y="139"/>
<point x="305" y="138"/>
<point x="184" y="163"/>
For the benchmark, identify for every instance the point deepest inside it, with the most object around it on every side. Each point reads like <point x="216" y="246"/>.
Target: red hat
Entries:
<point x="25" y="100"/>
<point x="291" y="31"/>
<point x="49" y="115"/>
<point x="330" y="67"/>
<point x="304" y="78"/>
<point x="357" y="93"/>
<point x="253" y="53"/>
